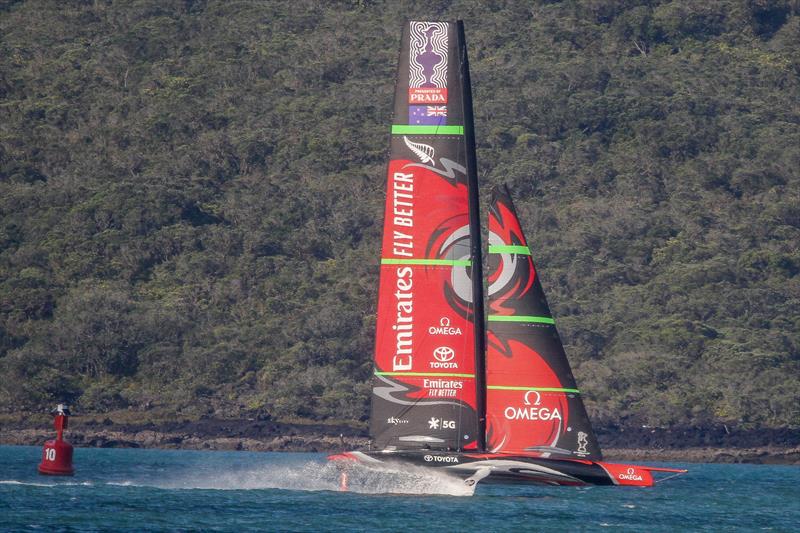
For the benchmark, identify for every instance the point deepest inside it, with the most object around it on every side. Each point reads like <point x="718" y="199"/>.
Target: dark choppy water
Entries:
<point x="116" y="489"/>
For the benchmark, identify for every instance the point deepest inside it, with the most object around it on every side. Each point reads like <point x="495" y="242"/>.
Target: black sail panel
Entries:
<point x="533" y="403"/>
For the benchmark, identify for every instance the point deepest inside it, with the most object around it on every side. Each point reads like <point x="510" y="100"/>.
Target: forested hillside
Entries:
<point x="191" y="199"/>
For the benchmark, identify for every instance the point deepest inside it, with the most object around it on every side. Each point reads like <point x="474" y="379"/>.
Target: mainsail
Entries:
<point x="427" y="388"/>
<point x="532" y="402"/>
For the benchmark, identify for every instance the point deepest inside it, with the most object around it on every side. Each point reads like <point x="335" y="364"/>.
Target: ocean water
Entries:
<point x="165" y="490"/>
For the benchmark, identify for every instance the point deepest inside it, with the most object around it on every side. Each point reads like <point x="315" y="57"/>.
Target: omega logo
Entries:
<point x="537" y="396"/>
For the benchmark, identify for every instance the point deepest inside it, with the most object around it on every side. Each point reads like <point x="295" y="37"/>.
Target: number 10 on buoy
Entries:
<point x="57" y="454"/>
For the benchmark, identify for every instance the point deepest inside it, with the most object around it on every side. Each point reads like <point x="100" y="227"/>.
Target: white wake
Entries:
<point x="317" y="476"/>
<point x="53" y="484"/>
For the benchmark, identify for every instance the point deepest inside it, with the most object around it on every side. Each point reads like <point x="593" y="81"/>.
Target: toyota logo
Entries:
<point x="443" y="354"/>
<point x="428" y="458"/>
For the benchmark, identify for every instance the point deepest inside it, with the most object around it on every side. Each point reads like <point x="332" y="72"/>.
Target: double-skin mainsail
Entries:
<point x="428" y="384"/>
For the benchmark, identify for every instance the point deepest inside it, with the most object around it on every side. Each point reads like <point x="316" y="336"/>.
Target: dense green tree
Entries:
<point x="191" y="198"/>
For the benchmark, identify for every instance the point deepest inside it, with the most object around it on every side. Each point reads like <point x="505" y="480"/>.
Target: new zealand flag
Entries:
<point x="427" y="115"/>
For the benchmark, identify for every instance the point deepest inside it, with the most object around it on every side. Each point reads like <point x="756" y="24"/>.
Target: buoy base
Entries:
<point x="44" y="472"/>
<point x="56" y="459"/>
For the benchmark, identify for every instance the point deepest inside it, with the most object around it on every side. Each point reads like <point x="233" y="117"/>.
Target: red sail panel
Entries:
<point x="424" y="389"/>
<point x="532" y="401"/>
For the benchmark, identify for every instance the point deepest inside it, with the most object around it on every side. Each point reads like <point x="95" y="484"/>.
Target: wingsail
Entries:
<point x="426" y="388"/>
<point x="533" y="403"/>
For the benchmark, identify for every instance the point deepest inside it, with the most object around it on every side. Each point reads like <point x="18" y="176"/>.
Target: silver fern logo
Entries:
<point x="423" y="151"/>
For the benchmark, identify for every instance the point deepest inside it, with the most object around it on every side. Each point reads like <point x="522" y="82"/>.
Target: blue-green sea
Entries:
<point x="164" y="490"/>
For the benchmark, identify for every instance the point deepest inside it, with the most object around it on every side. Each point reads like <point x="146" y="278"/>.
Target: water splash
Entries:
<point x="28" y="484"/>
<point x="385" y="479"/>
<point x="317" y="476"/>
<point x="53" y="484"/>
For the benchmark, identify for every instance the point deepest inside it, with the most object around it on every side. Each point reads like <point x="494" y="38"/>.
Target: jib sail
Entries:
<point x="425" y="391"/>
<point x="532" y="402"/>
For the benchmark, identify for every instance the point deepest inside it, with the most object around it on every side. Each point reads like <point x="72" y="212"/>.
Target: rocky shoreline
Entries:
<point x="639" y="444"/>
<point x="203" y="434"/>
<point x="761" y="455"/>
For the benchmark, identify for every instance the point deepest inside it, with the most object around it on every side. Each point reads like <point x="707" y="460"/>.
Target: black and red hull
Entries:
<point x="508" y="468"/>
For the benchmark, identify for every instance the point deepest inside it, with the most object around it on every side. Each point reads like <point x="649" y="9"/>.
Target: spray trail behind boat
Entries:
<point x="312" y="476"/>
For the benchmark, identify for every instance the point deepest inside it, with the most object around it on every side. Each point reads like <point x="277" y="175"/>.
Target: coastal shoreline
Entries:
<point x="269" y="436"/>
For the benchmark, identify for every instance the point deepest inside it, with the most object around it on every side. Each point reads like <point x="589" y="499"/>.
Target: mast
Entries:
<point x="475" y="231"/>
<point x="428" y="383"/>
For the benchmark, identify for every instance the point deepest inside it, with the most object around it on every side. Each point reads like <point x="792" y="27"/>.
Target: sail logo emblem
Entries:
<point x="630" y="475"/>
<point x="538" y="397"/>
<point x="532" y="410"/>
<point x="582" y="443"/>
<point x="444" y="328"/>
<point x="442" y="388"/>
<point x="404" y="326"/>
<point x="444" y="356"/>
<point x="425" y="152"/>
<point x="436" y="423"/>
<point x="427" y="63"/>
<point x="440" y="459"/>
<point x="427" y="95"/>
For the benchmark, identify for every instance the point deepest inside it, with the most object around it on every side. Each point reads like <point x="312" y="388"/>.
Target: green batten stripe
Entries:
<point x="446" y="262"/>
<point x="515" y="318"/>
<point x="509" y="249"/>
<point x="424" y="374"/>
<point x="537" y="389"/>
<point x="411" y="129"/>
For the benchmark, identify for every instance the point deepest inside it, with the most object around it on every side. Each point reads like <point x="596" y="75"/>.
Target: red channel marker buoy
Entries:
<point x="57" y="454"/>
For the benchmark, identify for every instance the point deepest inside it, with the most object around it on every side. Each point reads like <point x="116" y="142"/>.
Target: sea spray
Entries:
<point x="385" y="479"/>
<point x="315" y="476"/>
